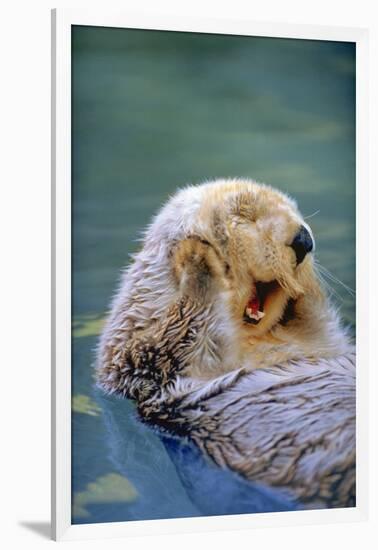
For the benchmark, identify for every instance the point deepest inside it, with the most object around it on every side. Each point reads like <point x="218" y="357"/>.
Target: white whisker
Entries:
<point x="334" y="279"/>
<point x="328" y="287"/>
<point x="311" y="215"/>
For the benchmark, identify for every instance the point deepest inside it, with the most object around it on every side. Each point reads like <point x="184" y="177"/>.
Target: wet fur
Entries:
<point x="176" y="343"/>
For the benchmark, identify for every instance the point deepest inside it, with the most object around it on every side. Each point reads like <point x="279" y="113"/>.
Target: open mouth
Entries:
<point x="254" y="310"/>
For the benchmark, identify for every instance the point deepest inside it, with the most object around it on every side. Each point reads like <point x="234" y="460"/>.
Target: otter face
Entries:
<point x="266" y="245"/>
<point x="225" y="279"/>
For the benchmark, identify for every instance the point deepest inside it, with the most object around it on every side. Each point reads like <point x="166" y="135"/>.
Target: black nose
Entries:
<point x="302" y="244"/>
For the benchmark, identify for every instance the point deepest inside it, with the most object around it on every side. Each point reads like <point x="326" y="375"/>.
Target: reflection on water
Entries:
<point x="111" y="488"/>
<point x="194" y="487"/>
<point x="151" y="112"/>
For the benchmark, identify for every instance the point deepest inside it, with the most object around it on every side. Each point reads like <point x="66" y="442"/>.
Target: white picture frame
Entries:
<point x="62" y="20"/>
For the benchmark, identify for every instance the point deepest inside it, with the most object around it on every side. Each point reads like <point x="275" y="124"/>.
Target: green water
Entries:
<point x="153" y="111"/>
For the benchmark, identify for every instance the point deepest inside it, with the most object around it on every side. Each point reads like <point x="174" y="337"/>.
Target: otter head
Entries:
<point x="266" y="247"/>
<point x="243" y="255"/>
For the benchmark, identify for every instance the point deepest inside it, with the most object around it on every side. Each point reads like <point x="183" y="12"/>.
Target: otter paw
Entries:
<point x="197" y="267"/>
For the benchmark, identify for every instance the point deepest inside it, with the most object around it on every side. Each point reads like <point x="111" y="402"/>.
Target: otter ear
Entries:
<point x="197" y="267"/>
<point x="219" y="227"/>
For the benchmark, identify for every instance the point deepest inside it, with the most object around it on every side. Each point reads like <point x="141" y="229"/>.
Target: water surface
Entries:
<point x="153" y="111"/>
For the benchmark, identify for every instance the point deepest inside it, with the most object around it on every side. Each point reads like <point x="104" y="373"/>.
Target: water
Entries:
<point x="153" y="111"/>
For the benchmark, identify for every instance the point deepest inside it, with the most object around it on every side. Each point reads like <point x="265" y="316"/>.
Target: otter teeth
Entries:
<point x="256" y="316"/>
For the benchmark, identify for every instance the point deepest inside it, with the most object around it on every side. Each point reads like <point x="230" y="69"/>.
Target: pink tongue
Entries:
<point x="254" y="304"/>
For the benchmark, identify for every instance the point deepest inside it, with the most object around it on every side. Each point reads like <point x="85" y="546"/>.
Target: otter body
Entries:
<point x="221" y="333"/>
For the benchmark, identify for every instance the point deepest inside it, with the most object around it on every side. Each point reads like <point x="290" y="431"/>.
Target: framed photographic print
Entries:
<point x="209" y="274"/>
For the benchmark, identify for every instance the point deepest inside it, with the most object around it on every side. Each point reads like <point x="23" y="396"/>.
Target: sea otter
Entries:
<point x="222" y="334"/>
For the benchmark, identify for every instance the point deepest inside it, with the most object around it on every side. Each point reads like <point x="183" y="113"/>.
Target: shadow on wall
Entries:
<point x="41" y="528"/>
